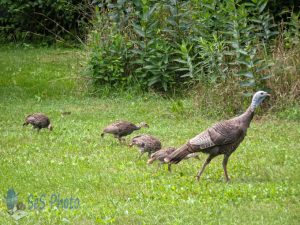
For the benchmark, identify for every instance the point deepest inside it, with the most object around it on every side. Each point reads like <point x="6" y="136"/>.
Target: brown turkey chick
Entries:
<point x="146" y="143"/>
<point x="164" y="152"/>
<point x="38" y="121"/>
<point x="122" y="128"/>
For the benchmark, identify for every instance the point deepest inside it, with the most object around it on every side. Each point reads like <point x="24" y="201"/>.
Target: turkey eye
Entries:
<point x="261" y="93"/>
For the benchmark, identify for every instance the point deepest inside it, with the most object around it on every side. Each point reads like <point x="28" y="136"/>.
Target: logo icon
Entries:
<point x="11" y="200"/>
<point x="14" y="208"/>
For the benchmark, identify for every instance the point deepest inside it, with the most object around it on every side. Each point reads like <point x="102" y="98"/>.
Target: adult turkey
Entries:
<point x="146" y="143"/>
<point x="164" y="152"/>
<point x="222" y="138"/>
<point x="38" y="121"/>
<point x="122" y="128"/>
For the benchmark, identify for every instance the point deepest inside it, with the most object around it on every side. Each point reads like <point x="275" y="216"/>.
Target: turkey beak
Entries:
<point x="268" y="95"/>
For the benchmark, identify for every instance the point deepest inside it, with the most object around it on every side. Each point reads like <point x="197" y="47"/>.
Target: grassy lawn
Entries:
<point x="113" y="186"/>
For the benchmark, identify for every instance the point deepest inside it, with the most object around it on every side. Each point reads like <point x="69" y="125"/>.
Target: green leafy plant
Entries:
<point x="211" y="53"/>
<point x="109" y="55"/>
<point x="291" y="33"/>
<point x="162" y="45"/>
<point x="45" y="20"/>
<point x="247" y="35"/>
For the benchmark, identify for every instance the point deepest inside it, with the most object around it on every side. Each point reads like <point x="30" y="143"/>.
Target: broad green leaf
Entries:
<point x="187" y="75"/>
<point x="248" y="83"/>
<point x="150" y="12"/>
<point x="265" y="77"/>
<point x="139" y="30"/>
<point x="242" y="51"/>
<point x="165" y="86"/>
<point x="263" y="6"/>
<point x="153" y="81"/>
<point x="180" y="61"/>
<point x="245" y="74"/>
<point x="182" y="69"/>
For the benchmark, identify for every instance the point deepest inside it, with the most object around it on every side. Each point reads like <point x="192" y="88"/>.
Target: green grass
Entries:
<point x="112" y="184"/>
<point x="37" y="73"/>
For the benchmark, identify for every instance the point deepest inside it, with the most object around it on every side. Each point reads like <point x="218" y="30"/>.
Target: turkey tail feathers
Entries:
<point x="178" y="155"/>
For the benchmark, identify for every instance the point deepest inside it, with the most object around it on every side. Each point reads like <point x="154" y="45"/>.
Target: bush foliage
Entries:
<point x="166" y="44"/>
<point x="44" y="20"/>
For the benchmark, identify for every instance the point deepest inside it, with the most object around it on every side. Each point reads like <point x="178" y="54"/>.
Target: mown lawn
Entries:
<point x="113" y="186"/>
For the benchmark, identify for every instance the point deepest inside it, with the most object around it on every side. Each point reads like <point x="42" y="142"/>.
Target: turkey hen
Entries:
<point x="38" y="121"/>
<point x="222" y="138"/>
<point x="146" y="143"/>
<point x="122" y="128"/>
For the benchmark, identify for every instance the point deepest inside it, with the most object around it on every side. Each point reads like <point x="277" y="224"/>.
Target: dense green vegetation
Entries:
<point x="113" y="186"/>
<point x="164" y="45"/>
<point x="171" y="45"/>
<point x="47" y="21"/>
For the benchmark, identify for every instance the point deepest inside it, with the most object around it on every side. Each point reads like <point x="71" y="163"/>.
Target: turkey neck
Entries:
<point x="247" y="116"/>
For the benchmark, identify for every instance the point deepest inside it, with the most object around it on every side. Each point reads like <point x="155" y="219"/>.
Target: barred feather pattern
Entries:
<point x="120" y="128"/>
<point x="146" y="143"/>
<point x="203" y="140"/>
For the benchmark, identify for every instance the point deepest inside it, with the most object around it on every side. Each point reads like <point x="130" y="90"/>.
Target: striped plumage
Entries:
<point x="222" y="138"/>
<point x="122" y="128"/>
<point x="38" y="121"/>
<point x="146" y="143"/>
<point x="164" y="152"/>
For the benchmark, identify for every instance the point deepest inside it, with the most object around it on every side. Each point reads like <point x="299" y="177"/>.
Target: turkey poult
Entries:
<point x="164" y="152"/>
<point x="38" y="121"/>
<point x="146" y="143"/>
<point x="222" y="138"/>
<point x="122" y="128"/>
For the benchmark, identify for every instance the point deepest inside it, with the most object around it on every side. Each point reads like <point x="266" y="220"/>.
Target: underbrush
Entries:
<point x="156" y="49"/>
<point x="284" y="86"/>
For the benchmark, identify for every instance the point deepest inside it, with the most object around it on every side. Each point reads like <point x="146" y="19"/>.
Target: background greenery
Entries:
<point x="45" y="21"/>
<point x="169" y="45"/>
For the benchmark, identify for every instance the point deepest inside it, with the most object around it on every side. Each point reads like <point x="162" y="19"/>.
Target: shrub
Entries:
<point x="108" y="60"/>
<point x="169" y="44"/>
<point x="51" y="20"/>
